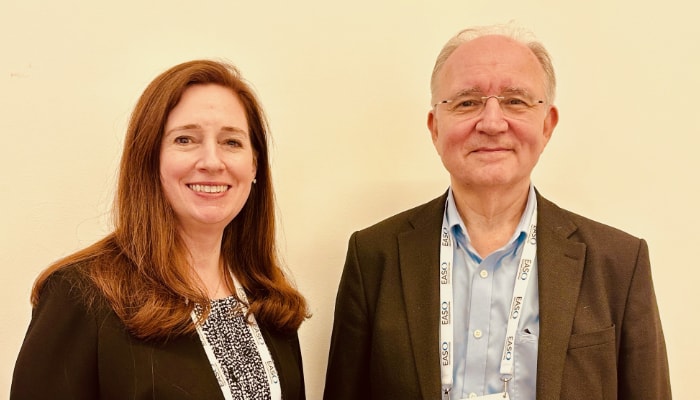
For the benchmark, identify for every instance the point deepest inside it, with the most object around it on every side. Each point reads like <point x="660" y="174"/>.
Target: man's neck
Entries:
<point x="490" y="215"/>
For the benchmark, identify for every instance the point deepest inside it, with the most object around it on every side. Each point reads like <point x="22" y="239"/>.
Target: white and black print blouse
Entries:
<point x="234" y="347"/>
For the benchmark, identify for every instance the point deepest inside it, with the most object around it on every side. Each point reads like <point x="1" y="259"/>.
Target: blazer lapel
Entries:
<point x="560" y="264"/>
<point x="419" y="251"/>
<point x="283" y="351"/>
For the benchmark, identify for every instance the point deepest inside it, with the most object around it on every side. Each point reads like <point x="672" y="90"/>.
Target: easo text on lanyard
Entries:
<point x="516" y="305"/>
<point x="268" y="363"/>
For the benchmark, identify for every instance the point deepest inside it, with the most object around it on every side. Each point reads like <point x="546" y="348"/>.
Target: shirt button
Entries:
<point x="472" y="395"/>
<point x="484" y="273"/>
<point x="477" y="333"/>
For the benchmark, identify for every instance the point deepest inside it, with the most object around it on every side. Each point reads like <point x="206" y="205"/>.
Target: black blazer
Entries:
<point x="600" y="333"/>
<point x="76" y="352"/>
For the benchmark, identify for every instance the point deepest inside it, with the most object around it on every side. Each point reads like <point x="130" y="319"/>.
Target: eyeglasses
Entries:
<point x="470" y="105"/>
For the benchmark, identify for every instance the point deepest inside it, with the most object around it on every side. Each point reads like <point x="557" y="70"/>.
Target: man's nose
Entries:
<point x="492" y="120"/>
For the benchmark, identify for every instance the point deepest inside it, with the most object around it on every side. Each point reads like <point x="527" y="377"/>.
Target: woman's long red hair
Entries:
<point x="142" y="267"/>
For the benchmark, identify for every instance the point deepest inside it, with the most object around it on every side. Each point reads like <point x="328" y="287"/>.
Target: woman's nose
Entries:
<point x="210" y="158"/>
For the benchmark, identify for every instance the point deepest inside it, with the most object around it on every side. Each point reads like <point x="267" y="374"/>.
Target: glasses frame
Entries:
<point x="485" y="99"/>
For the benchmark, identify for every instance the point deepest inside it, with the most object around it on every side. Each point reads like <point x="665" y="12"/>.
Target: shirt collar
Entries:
<point x="456" y="225"/>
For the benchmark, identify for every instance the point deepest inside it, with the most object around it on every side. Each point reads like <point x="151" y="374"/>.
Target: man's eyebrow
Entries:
<point x="507" y="90"/>
<point x="472" y="90"/>
<point x="516" y="90"/>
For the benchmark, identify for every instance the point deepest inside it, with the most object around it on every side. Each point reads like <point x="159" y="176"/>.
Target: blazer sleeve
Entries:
<point x="58" y="358"/>
<point x="347" y="376"/>
<point x="643" y="365"/>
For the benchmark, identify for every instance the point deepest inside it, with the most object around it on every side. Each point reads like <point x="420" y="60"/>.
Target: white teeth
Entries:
<point x="208" y="188"/>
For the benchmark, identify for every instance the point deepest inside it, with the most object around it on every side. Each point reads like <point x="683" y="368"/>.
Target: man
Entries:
<point x="491" y="291"/>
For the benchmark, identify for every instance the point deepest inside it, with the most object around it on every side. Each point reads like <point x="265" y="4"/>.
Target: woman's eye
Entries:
<point x="234" y="143"/>
<point x="182" y="140"/>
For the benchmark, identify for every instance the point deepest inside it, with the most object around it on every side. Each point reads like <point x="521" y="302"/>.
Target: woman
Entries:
<point x="186" y="298"/>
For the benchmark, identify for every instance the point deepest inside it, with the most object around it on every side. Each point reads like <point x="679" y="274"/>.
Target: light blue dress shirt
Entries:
<point x="483" y="290"/>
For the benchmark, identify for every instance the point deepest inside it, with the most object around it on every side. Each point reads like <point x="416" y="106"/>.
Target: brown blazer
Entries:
<point x="600" y="333"/>
<point x="72" y="352"/>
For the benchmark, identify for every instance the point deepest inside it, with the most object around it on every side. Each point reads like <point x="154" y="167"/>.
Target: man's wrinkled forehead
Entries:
<point x="491" y="63"/>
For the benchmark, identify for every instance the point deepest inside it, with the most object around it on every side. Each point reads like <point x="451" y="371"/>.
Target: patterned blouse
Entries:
<point x="234" y="347"/>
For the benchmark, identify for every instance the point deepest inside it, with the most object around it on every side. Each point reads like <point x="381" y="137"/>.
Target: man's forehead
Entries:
<point x="492" y="46"/>
<point x="492" y="63"/>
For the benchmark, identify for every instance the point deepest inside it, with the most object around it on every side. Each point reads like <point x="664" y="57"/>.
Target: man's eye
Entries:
<point x="515" y="101"/>
<point x="468" y="103"/>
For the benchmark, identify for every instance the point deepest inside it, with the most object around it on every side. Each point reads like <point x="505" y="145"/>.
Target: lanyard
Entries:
<point x="268" y="364"/>
<point x="522" y="279"/>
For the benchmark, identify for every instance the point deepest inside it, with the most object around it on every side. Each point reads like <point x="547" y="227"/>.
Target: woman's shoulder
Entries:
<point x="70" y="284"/>
<point x="71" y="276"/>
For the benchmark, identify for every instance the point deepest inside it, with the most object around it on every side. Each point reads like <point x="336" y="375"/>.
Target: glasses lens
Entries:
<point x="471" y="105"/>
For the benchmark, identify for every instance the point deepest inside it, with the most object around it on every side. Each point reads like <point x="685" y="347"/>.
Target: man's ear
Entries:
<point x="550" y="122"/>
<point x="432" y="125"/>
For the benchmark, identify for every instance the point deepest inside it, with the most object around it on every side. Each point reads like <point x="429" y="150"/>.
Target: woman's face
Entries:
<point x="207" y="163"/>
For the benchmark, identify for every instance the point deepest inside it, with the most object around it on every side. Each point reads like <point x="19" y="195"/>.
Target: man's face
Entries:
<point x="496" y="146"/>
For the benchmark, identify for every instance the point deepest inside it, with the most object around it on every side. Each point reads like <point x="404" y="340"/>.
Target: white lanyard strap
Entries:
<point x="446" y="329"/>
<point x="268" y="364"/>
<point x="272" y="376"/>
<point x="446" y="300"/>
<point x="516" y="305"/>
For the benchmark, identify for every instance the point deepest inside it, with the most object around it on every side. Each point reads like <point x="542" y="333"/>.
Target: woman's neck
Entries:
<point x="206" y="262"/>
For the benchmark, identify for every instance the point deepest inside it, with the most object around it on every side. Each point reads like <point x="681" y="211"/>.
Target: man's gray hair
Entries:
<point x="516" y="33"/>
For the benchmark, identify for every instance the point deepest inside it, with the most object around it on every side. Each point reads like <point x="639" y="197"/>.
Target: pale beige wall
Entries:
<point x="346" y="89"/>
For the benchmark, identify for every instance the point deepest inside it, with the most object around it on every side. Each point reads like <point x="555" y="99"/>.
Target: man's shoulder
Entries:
<point x="426" y="213"/>
<point x="589" y="230"/>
